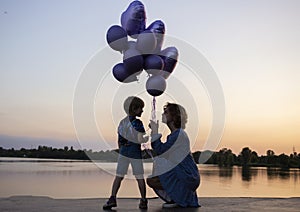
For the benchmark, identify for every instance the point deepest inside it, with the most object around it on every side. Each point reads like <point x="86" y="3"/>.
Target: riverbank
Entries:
<point x="40" y="203"/>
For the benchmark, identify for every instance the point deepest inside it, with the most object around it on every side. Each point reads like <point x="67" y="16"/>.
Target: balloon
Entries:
<point x="170" y="57"/>
<point x="131" y="45"/>
<point x="122" y="75"/>
<point x="156" y="85"/>
<point x="158" y="28"/>
<point x="146" y="42"/>
<point x="116" y="38"/>
<point x="133" y="60"/>
<point x="133" y="19"/>
<point x="153" y="64"/>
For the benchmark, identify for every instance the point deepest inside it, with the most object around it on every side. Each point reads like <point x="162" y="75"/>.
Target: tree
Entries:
<point x="196" y="156"/>
<point x="246" y="156"/>
<point x="270" y="153"/>
<point x="207" y="157"/>
<point x="271" y="157"/>
<point x="225" y="157"/>
<point x="254" y="157"/>
<point x="283" y="160"/>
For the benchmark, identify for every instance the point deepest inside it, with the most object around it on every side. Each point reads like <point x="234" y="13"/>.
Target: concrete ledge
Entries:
<point x="40" y="203"/>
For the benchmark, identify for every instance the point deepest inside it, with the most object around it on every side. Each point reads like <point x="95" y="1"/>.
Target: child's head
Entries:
<point x="133" y="106"/>
<point x="177" y="114"/>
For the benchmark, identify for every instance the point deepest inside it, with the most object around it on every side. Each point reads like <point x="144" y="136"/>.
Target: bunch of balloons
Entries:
<point x="143" y="51"/>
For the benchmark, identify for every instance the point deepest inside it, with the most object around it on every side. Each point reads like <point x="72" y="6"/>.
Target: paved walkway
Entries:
<point x="38" y="204"/>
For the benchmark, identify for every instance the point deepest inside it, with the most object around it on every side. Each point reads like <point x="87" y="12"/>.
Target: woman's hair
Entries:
<point x="178" y="113"/>
<point x="131" y="104"/>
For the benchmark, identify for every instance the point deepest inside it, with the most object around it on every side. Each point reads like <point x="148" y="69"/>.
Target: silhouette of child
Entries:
<point x="130" y="136"/>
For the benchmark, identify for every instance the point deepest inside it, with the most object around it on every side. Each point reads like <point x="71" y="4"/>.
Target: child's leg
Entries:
<point x="138" y="171"/>
<point x="116" y="185"/>
<point x="142" y="187"/>
<point x="112" y="201"/>
<point x="122" y="168"/>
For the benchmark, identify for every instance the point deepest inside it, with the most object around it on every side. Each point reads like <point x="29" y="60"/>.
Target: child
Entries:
<point x="130" y="136"/>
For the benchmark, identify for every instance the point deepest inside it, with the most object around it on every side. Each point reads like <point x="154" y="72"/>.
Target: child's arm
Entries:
<point x="141" y="138"/>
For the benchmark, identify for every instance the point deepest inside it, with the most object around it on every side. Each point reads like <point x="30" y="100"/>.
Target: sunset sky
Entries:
<point x="252" y="47"/>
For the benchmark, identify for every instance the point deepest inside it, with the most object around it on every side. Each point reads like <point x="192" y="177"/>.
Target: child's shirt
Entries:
<point x="128" y="130"/>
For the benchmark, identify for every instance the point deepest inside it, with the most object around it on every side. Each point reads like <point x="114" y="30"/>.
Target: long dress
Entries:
<point x="176" y="168"/>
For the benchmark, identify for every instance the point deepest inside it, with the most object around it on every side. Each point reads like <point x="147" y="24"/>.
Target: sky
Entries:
<point x="252" y="47"/>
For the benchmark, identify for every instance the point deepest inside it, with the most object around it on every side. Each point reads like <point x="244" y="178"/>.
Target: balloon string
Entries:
<point x="153" y="112"/>
<point x="147" y="150"/>
<point x="153" y="117"/>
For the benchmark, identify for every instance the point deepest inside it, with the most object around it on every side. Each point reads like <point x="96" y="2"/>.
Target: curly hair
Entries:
<point x="132" y="103"/>
<point x="178" y="113"/>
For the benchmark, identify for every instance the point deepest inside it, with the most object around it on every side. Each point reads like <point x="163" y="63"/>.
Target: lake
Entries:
<point x="79" y="179"/>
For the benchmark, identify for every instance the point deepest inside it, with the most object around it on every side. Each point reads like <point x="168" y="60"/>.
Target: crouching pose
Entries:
<point x="175" y="176"/>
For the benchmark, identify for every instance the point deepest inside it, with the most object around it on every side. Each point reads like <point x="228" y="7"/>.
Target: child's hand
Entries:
<point x="142" y="138"/>
<point x="146" y="138"/>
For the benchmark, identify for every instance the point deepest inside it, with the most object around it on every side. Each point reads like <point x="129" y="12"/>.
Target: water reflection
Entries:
<point x="78" y="180"/>
<point x="283" y="173"/>
<point x="225" y="171"/>
<point x="246" y="173"/>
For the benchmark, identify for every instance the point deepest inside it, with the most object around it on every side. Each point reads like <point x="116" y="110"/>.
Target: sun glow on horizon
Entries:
<point x="252" y="46"/>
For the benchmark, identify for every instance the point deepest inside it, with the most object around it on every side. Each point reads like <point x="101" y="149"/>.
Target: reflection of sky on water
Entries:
<point x="85" y="179"/>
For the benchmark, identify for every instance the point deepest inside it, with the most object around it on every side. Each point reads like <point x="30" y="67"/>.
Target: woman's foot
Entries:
<point x="170" y="204"/>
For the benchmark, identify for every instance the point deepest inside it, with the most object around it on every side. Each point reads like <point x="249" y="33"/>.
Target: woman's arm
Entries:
<point x="156" y="143"/>
<point x="160" y="147"/>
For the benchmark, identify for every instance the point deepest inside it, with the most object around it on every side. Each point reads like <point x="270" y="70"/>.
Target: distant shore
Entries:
<point x="223" y="158"/>
<point x="42" y="203"/>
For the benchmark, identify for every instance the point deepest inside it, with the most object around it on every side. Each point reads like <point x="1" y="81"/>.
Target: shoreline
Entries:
<point x="45" y="203"/>
<point x="14" y="159"/>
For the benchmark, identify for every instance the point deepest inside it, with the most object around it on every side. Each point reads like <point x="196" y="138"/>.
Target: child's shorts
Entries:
<point x="123" y="164"/>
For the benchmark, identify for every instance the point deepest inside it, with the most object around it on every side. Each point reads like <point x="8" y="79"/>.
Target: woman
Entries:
<point x="175" y="171"/>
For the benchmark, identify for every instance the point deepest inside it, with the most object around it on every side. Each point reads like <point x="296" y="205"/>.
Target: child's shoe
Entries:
<point x="112" y="202"/>
<point x="143" y="203"/>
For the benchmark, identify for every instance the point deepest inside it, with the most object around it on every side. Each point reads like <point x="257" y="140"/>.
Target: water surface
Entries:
<point x="79" y="179"/>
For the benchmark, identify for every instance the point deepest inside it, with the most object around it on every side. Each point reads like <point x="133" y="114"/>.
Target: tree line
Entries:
<point x="223" y="158"/>
<point x="226" y="158"/>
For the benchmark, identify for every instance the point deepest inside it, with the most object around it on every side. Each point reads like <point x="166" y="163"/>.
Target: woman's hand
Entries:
<point x="154" y="127"/>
